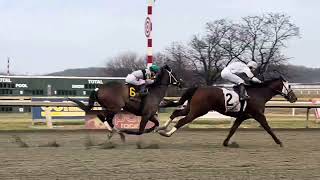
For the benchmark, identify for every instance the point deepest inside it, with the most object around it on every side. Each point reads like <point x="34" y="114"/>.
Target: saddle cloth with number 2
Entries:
<point x="232" y="101"/>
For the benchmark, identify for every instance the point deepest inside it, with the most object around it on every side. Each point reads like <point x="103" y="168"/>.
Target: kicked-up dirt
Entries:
<point x="185" y="155"/>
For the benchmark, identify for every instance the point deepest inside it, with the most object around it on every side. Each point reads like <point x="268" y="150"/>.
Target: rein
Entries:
<point x="172" y="77"/>
<point x="173" y="80"/>
<point x="282" y="93"/>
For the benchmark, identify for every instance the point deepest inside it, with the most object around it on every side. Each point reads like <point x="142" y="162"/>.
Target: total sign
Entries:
<point x="95" y="81"/>
<point x="5" y="80"/>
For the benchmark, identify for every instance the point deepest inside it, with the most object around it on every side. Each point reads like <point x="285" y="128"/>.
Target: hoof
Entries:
<point x="163" y="133"/>
<point x="234" y="145"/>
<point x="110" y="134"/>
<point x="280" y="144"/>
<point x="122" y="137"/>
<point x="225" y="144"/>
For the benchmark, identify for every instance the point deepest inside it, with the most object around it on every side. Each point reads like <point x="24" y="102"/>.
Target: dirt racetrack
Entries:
<point x="186" y="155"/>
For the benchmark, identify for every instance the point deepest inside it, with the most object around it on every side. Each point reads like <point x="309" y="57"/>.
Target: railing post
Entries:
<point x="48" y="117"/>
<point x="293" y="111"/>
<point x="307" y="120"/>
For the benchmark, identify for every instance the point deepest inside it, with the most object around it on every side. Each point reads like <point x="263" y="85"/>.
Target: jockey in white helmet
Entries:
<point x="230" y="73"/>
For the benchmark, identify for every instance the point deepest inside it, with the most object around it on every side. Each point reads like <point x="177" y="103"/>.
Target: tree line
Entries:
<point x="201" y="59"/>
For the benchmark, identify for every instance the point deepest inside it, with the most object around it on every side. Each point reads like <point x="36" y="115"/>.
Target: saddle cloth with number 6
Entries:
<point x="232" y="101"/>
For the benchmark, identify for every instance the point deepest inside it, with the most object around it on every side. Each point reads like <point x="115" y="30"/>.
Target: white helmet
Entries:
<point x="252" y="64"/>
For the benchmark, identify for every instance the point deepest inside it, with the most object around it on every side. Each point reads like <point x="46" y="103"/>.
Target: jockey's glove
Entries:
<point x="149" y="81"/>
<point x="256" y="80"/>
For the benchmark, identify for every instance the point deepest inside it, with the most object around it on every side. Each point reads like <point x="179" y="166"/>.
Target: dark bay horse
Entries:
<point x="114" y="97"/>
<point x="204" y="99"/>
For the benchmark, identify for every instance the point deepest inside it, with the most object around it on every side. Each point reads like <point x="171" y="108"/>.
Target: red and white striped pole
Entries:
<point x="148" y="33"/>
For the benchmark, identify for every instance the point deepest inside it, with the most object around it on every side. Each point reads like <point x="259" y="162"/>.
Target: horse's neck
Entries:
<point x="159" y="90"/>
<point x="263" y="92"/>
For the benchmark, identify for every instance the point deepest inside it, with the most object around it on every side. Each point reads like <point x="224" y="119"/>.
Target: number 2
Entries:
<point x="229" y="99"/>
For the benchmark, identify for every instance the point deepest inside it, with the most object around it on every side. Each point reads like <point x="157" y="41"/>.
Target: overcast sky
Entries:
<point x="43" y="36"/>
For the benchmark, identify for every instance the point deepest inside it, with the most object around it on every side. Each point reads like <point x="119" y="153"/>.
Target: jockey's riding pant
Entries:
<point x="229" y="72"/>
<point x="227" y="75"/>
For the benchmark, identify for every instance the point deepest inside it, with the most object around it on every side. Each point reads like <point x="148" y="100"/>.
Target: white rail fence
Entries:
<point x="48" y="105"/>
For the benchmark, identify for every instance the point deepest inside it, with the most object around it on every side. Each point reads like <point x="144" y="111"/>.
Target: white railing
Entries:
<point x="271" y="104"/>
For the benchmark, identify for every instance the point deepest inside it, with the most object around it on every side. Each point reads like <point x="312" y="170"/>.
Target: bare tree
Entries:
<point x="256" y="38"/>
<point x="268" y="35"/>
<point x="175" y="57"/>
<point x="234" y="43"/>
<point x="160" y="59"/>
<point x="124" y="64"/>
<point x="206" y="53"/>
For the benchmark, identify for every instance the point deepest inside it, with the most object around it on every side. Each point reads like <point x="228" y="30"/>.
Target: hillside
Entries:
<point x="301" y="74"/>
<point x="88" y="72"/>
<point x="297" y="74"/>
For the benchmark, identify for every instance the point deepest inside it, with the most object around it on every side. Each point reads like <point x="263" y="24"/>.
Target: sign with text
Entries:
<point x="125" y="120"/>
<point x="65" y="113"/>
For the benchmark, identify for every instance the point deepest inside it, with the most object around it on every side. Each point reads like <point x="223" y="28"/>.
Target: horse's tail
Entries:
<point x="80" y="104"/>
<point x="186" y="96"/>
<point x="92" y="99"/>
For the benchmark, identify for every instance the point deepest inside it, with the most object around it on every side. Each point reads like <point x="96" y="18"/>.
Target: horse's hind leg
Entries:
<point x="263" y="122"/>
<point x="107" y="119"/>
<point x="233" y="129"/>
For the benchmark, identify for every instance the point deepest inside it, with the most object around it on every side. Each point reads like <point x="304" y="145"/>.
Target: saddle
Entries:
<point x="232" y="99"/>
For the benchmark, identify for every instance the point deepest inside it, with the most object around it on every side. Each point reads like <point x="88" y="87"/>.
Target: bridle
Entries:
<point x="173" y="80"/>
<point x="287" y="95"/>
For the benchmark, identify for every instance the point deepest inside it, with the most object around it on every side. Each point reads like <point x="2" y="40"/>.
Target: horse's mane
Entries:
<point x="264" y="83"/>
<point x="157" y="81"/>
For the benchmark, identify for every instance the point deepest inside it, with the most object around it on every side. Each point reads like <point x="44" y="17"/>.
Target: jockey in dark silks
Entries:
<point x="143" y="77"/>
<point x="230" y="73"/>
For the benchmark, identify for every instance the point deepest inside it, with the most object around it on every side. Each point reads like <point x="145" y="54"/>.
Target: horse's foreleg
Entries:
<point x="143" y="123"/>
<point x="176" y="113"/>
<point x="263" y="122"/>
<point x="155" y="119"/>
<point x="185" y="120"/>
<point x="144" y="120"/>
<point x="233" y="129"/>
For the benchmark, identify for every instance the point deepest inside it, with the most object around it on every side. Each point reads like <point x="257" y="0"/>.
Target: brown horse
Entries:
<point x="114" y="97"/>
<point x="204" y="99"/>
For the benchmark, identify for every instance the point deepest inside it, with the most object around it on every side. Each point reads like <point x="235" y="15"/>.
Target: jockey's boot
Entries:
<point x="243" y="93"/>
<point x="143" y="90"/>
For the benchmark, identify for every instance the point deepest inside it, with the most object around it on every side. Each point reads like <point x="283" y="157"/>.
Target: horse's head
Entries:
<point x="283" y="88"/>
<point x="166" y="77"/>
